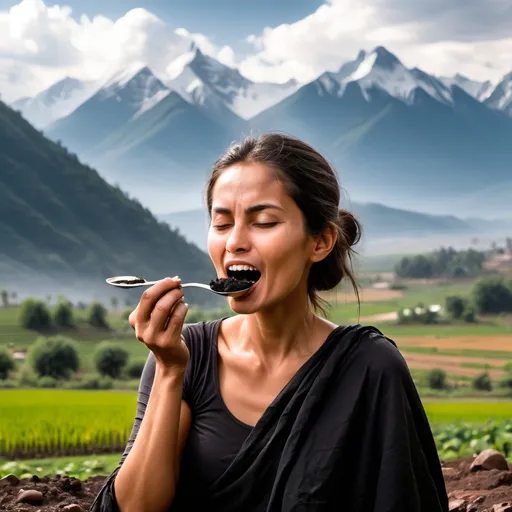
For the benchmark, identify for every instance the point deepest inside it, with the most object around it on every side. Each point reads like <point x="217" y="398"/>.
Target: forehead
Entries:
<point x="247" y="182"/>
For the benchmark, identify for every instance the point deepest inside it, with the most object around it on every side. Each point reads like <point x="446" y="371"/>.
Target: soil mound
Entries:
<point x="469" y="490"/>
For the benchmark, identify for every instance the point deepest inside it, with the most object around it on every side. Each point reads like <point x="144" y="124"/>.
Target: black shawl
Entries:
<point x="348" y="433"/>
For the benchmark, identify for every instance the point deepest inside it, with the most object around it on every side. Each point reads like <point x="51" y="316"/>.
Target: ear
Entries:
<point x="324" y="243"/>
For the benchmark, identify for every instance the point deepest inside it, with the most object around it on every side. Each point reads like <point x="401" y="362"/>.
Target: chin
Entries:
<point x="243" y="309"/>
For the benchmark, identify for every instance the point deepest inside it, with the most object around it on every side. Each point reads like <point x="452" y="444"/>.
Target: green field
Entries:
<point x="467" y="411"/>
<point x="37" y="423"/>
<point x="43" y="423"/>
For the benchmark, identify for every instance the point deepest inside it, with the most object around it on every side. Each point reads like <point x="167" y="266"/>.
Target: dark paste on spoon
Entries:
<point x="230" y="284"/>
<point x="130" y="281"/>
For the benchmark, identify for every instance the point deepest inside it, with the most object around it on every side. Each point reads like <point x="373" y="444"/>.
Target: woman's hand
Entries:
<point x="158" y="321"/>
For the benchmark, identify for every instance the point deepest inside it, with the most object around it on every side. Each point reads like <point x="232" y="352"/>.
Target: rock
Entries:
<point x="457" y="506"/>
<point x="449" y="471"/>
<point x="73" y="508"/>
<point x="502" y="507"/>
<point x="30" y="497"/>
<point x="489" y="459"/>
<point x="53" y="490"/>
<point x="10" y="479"/>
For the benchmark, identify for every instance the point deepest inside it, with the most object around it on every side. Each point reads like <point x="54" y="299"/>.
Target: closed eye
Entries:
<point x="266" y="224"/>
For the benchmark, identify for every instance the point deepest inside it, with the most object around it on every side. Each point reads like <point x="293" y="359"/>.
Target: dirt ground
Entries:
<point x="477" y="491"/>
<point x="452" y="364"/>
<point x="494" y="342"/>
<point x="365" y="294"/>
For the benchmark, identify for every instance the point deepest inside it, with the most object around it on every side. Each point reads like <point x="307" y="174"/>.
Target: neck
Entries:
<point x="274" y="334"/>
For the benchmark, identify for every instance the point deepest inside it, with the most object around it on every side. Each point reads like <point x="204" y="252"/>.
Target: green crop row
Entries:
<point x="38" y="423"/>
<point x="50" y="423"/>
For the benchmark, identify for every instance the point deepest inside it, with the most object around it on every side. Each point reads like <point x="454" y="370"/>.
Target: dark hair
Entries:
<point x="312" y="183"/>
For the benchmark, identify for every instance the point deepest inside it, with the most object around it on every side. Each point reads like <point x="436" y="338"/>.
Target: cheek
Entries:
<point x="215" y="248"/>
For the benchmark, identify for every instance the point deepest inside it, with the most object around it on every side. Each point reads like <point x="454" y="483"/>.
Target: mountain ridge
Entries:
<point x="60" y="219"/>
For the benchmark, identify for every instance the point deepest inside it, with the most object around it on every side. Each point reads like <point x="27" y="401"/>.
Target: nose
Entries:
<point x="237" y="240"/>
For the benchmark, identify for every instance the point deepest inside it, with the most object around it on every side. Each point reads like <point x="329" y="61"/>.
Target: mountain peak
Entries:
<point x="125" y="75"/>
<point x="385" y="59"/>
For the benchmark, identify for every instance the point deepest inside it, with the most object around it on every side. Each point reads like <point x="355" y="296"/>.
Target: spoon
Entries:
<point x="134" y="281"/>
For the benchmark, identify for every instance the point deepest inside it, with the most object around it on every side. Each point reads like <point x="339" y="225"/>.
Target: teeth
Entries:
<point x="241" y="267"/>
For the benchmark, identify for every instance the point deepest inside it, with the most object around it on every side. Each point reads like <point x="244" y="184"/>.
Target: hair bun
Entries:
<point x="350" y="226"/>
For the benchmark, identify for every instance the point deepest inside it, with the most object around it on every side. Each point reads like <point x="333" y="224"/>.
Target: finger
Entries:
<point x="132" y="317"/>
<point x="182" y="300"/>
<point x="151" y="296"/>
<point x="164" y="308"/>
<point x="176" y="320"/>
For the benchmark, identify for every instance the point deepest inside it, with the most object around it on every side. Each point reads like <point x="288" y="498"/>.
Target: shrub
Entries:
<point x="47" y="382"/>
<point x="35" y="314"/>
<point x="55" y="357"/>
<point x="6" y="363"/>
<point x="63" y="315"/>
<point x="97" y="316"/>
<point x="455" y="306"/>
<point x="482" y="382"/>
<point x="134" y="369"/>
<point x="110" y="359"/>
<point x="436" y="379"/>
<point x="492" y="295"/>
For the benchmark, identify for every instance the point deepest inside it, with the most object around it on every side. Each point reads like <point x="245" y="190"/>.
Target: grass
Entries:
<point x="41" y="422"/>
<point x="470" y="411"/>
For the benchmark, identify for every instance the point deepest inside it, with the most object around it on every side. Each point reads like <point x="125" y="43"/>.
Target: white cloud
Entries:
<point x="467" y="36"/>
<point x="47" y="43"/>
<point x="40" y="44"/>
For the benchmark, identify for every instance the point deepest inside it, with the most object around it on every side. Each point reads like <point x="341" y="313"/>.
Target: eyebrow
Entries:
<point x="252" y="209"/>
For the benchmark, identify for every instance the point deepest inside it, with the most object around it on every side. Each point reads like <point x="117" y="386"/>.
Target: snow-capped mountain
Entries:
<point x="501" y="96"/>
<point x="59" y="100"/>
<point x="397" y="131"/>
<point x="204" y="81"/>
<point x="136" y="86"/>
<point x="479" y="90"/>
<point x="383" y="70"/>
<point x="124" y="96"/>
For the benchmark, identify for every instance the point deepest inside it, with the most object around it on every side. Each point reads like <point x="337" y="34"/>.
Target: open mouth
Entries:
<point x="240" y="277"/>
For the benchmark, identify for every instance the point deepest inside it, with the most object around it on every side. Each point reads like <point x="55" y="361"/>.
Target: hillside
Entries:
<point x="61" y="222"/>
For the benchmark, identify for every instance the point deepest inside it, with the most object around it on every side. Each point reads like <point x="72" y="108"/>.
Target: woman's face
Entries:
<point x="254" y="221"/>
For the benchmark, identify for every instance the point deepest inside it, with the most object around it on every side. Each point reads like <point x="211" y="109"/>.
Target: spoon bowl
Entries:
<point x="134" y="282"/>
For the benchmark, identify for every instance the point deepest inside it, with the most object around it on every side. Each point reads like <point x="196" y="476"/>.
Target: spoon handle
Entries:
<point x="150" y="283"/>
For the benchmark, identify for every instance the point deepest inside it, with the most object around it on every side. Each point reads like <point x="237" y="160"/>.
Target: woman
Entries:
<point x="275" y="408"/>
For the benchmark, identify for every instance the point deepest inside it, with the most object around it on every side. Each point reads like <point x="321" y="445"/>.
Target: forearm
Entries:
<point x="147" y="479"/>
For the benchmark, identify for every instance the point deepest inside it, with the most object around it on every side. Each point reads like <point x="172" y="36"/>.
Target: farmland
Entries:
<point x="41" y="423"/>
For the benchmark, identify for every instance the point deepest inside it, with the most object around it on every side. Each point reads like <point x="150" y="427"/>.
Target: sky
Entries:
<point x="268" y="40"/>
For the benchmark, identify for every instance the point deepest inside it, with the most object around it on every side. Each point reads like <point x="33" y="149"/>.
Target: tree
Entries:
<point x="6" y="363"/>
<point x="55" y="357"/>
<point x="455" y="306"/>
<point x="35" y="314"/>
<point x="4" y="294"/>
<point x="492" y="295"/>
<point x="110" y="359"/>
<point x="97" y="316"/>
<point x="482" y="382"/>
<point x="63" y="315"/>
<point x="436" y="379"/>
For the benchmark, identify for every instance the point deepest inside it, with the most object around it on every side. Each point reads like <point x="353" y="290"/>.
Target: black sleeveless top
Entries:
<point x="215" y="436"/>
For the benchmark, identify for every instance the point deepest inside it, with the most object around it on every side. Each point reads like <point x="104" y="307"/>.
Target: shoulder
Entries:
<point x="380" y="355"/>
<point x="199" y="335"/>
